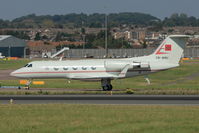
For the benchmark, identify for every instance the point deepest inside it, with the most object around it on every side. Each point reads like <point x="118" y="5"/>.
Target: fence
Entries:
<point x="100" y="53"/>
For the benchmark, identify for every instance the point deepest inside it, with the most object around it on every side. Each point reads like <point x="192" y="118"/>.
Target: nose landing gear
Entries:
<point x="106" y="84"/>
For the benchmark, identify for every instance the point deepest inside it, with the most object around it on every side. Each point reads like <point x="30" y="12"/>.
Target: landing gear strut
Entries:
<point x="27" y="86"/>
<point x="106" y="84"/>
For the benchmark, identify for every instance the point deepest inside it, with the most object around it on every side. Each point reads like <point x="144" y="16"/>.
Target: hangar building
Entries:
<point x="11" y="46"/>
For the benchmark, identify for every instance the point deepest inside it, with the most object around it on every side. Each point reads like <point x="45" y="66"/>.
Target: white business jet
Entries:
<point x="166" y="56"/>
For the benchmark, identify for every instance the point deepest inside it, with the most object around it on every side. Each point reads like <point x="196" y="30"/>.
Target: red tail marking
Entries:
<point x="168" y="47"/>
<point x="163" y="48"/>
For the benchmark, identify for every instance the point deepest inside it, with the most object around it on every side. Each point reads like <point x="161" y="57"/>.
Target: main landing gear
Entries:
<point x="106" y="84"/>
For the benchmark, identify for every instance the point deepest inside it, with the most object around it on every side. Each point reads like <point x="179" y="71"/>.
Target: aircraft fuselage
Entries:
<point x="78" y="69"/>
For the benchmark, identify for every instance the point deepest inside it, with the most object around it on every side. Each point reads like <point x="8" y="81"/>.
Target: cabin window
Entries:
<point x="74" y="68"/>
<point x="55" y="68"/>
<point x="84" y="68"/>
<point x="65" y="68"/>
<point x="26" y="65"/>
<point x="30" y="65"/>
<point x="93" y="68"/>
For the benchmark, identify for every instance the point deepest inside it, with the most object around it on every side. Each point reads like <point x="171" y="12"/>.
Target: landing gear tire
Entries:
<point x="110" y="87"/>
<point x="104" y="88"/>
<point x="107" y="88"/>
<point x="106" y="84"/>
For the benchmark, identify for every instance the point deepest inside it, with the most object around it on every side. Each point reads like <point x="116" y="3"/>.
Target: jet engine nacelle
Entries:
<point x="117" y="65"/>
<point x="120" y="65"/>
<point x="144" y="65"/>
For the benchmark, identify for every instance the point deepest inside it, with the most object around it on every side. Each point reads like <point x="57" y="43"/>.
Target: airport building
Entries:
<point x="11" y="46"/>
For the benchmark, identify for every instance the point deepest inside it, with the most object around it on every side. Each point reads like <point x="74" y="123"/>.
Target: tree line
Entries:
<point x="96" y="20"/>
<point x="74" y="20"/>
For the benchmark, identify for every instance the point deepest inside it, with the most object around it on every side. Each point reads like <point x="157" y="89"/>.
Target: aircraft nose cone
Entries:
<point x="13" y="74"/>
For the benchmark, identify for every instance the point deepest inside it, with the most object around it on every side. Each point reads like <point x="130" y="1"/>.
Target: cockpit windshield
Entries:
<point x="28" y="65"/>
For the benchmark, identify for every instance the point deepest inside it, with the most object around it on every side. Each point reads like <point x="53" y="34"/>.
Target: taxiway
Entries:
<point x="103" y="99"/>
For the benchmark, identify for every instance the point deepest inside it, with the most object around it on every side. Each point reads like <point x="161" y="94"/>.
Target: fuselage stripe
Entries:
<point x="76" y="72"/>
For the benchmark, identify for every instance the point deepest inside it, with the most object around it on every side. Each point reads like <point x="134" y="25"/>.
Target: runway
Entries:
<point x="103" y="99"/>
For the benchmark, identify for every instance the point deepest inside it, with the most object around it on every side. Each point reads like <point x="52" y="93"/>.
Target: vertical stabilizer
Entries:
<point x="171" y="49"/>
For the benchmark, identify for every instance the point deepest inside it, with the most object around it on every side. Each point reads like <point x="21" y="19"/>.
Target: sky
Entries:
<point x="11" y="9"/>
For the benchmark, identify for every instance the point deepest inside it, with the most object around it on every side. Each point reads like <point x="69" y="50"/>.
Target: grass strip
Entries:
<point x="59" y="118"/>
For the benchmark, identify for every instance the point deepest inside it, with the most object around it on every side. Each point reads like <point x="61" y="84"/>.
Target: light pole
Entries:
<point x="9" y="51"/>
<point x="84" y="42"/>
<point x="106" y="35"/>
<point x="83" y="34"/>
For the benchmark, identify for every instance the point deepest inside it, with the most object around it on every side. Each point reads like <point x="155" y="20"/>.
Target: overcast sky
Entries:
<point x="10" y="9"/>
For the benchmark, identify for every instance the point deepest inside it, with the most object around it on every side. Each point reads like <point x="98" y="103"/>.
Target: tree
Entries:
<point x="37" y="36"/>
<point x="96" y="41"/>
<point x="180" y="20"/>
<point x="83" y="31"/>
<point x="144" y="45"/>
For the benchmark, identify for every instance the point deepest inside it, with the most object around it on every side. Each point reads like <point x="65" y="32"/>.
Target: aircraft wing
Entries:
<point x="124" y="71"/>
<point x="125" y="67"/>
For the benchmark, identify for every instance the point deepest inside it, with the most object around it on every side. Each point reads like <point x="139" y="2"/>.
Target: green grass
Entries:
<point x="13" y="64"/>
<point x="63" y="118"/>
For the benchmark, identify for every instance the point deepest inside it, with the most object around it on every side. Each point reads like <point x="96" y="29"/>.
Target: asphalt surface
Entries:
<point x="5" y="75"/>
<point x="103" y="99"/>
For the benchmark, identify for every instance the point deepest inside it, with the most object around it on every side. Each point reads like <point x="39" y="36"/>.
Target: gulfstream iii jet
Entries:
<point x="166" y="56"/>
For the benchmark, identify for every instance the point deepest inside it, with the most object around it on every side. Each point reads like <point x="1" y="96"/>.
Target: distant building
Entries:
<point x="138" y="35"/>
<point x="141" y="35"/>
<point x="11" y="46"/>
<point x="118" y="35"/>
<point x="127" y="35"/>
<point x="135" y="36"/>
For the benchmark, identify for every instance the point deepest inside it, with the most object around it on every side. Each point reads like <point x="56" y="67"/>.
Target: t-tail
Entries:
<point x="171" y="49"/>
